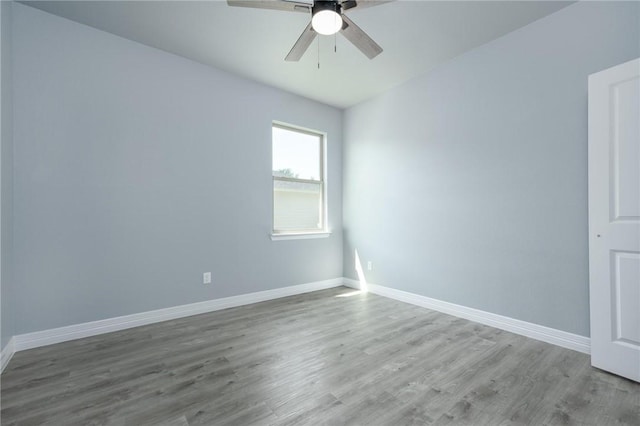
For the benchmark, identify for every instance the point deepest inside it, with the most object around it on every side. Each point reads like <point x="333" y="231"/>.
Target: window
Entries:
<point x="298" y="181"/>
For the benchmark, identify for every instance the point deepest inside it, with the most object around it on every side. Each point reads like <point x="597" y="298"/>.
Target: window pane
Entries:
<point x="296" y="206"/>
<point x="295" y="154"/>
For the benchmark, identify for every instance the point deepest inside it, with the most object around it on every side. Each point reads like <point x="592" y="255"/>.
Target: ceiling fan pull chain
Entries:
<point x="318" y="52"/>
<point x="335" y="35"/>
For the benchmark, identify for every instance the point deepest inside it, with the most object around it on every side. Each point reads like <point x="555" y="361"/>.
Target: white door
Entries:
<point x="614" y="219"/>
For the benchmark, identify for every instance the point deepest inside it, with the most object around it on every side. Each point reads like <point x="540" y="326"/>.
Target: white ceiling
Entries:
<point x="415" y="35"/>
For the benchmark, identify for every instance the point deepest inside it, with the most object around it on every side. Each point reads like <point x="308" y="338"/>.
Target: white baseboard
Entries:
<point x="348" y="282"/>
<point x="7" y="353"/>
<point x="62" y="334"/>
<point x="93" y="328"/>
<point x="527" y="329"/>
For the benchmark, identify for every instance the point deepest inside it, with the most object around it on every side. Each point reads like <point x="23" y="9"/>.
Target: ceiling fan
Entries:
<point x="327" y="17"/>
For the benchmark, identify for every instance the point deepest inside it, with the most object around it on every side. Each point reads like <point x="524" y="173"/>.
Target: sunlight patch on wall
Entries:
<point x="361" y="278"/>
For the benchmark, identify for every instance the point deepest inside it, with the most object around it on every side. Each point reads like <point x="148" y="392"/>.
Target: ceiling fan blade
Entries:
<point x="286" y="5"/>
<point x="360" y="39"/>
<point x="361" y="4"/>
<point x="301" y="46"/>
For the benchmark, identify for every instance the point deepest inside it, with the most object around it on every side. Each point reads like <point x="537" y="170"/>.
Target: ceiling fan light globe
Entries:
<point x="326" y="22"/>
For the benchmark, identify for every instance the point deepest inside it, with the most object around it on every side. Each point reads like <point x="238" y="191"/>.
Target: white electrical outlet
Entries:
<point x="206" y="278"/>
<point x="369" y="265"/>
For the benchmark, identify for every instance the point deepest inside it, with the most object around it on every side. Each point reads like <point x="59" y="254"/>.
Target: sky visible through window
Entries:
<point x="297" y="153"/>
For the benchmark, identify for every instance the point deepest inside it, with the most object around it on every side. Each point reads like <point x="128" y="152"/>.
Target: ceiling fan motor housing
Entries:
<point x="320" y="5"/>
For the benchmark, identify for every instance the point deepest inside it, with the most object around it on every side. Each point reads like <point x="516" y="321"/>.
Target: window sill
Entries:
<point x="300" y="236"/>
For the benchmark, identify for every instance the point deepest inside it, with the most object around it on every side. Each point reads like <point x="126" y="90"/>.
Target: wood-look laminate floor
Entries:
<point x="329" y="357"/>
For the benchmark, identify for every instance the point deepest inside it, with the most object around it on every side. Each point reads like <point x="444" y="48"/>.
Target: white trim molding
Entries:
<point x="93" y="328"/>
<point x="524" y="328"/>
<point x="62" y="334"/>
<point x="300" y="236"/>
<point x="7" y="353"/>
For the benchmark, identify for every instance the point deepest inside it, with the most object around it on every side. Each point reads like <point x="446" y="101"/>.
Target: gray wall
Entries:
<point x="135" y="171"/>
<point x="469" y="184"/>
<point x="6" y="175"/>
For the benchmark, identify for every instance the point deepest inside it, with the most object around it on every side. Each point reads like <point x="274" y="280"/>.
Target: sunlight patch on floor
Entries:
<point x="351" y="293"/>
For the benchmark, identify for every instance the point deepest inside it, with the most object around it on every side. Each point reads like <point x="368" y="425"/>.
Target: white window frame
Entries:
<point x="302" y="233"/>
